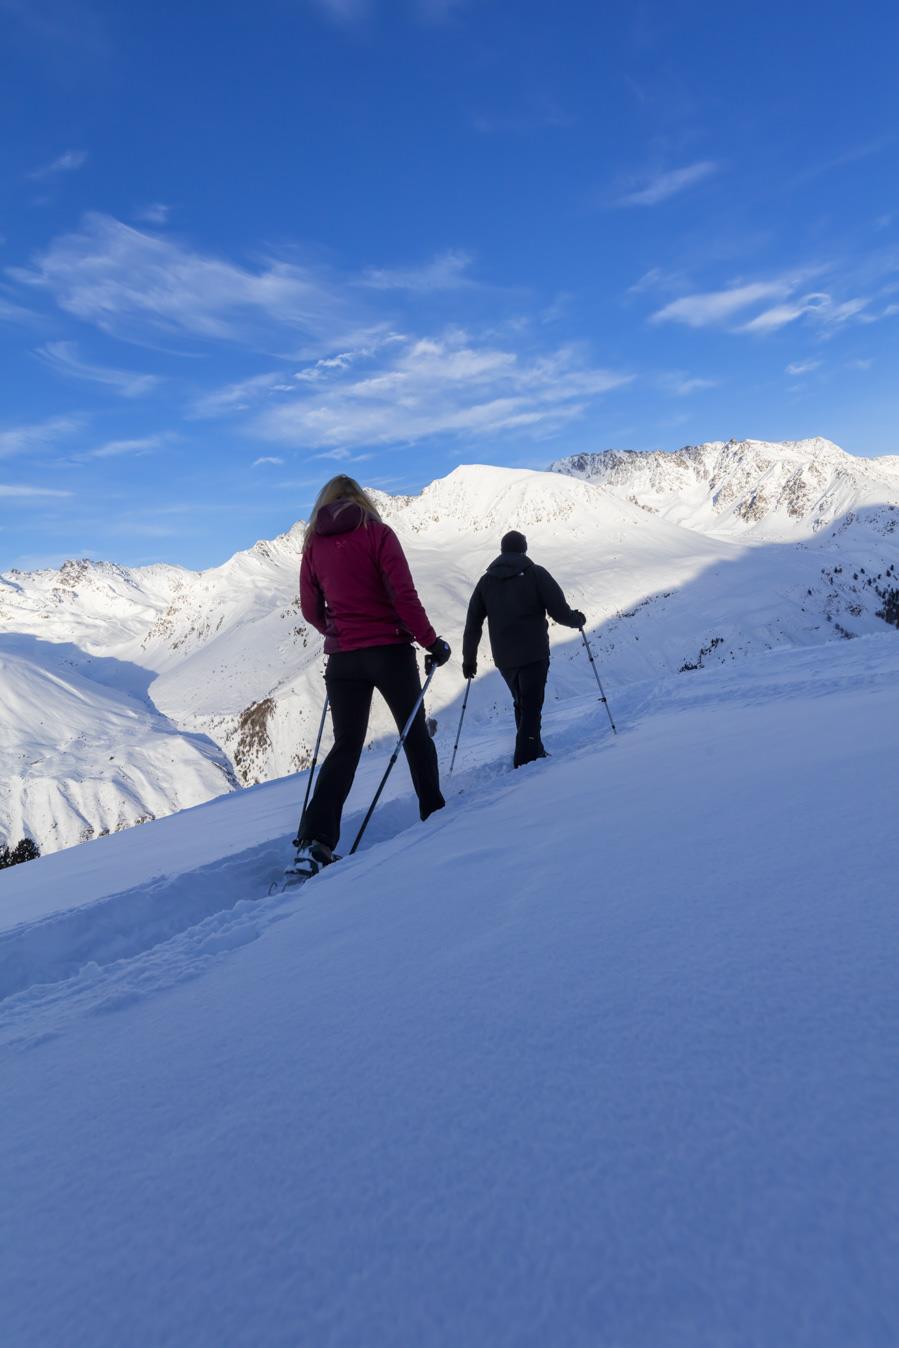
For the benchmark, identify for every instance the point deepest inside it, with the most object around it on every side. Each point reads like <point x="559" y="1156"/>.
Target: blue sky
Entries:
<point x="242" y="247"/>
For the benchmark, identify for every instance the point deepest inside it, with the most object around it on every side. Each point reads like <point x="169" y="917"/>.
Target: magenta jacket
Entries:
<point x="356" y="586"/>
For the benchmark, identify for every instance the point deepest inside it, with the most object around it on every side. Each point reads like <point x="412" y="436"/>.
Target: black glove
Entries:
<point x="577" y="618"/>
<point x="469" y="669"/>
<point x="438" y="654"/>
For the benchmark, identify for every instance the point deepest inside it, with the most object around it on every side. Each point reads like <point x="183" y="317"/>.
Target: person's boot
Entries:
<point x="311" y="857"/>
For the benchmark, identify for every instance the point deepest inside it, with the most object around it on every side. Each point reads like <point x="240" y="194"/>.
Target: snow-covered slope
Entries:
<point x="62" y="715"/>
<point x="750" y="488"/>
<point x="602" y="1054"/>
<point x="225" y="655"/>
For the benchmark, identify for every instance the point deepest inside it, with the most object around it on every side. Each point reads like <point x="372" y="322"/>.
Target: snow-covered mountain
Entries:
<point x="217" y="673"/>
<point x="85" y="752"/>
<point x="602" y="1054"/>
<point x="749" y="488"/>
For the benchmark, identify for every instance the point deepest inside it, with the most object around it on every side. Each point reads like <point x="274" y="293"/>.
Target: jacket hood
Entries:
<point x="340" y="517"/>
<point x="509" y="564"/>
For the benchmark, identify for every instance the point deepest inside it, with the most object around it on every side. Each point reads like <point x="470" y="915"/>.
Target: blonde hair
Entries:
<point x="348" y="492"/>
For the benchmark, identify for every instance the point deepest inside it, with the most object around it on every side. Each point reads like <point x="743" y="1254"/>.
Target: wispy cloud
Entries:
<point x="115" y="449"/>
<point x="242" y="395"/>
<point x="37" y="435"/>
<point x="779" y="315"/>
<point x="344" y="456"/>
<point x="682" y="385"/>
<point x="248" y="393"/>
<point x="800" y="367"/>
<point x="267" y="458"/>
<point x="62" y="357"/>
<point x="65" y="163"/>
<point x="445" y="385"/>
<point x="141" y="286"/>
<point x="665" y="185"/>
<point x="819" y="306"/>
<point x="853" y="155"/>
<point x="22" y="492"/>
<point x="449" y="271"/>
<point x="717" y="306"/>
<point x="15" y="313"/>
<point x="657" y="278"/>
<point x="721" y="308"/>
<point x="157" y="213"/>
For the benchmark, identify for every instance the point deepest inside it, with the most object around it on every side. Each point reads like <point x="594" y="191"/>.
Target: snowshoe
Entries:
<point x="311" y="857"/>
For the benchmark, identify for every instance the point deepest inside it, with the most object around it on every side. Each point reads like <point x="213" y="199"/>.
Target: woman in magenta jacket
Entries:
<point x="357" y="590"/>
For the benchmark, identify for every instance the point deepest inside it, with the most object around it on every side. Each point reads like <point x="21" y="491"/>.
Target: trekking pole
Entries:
<point x="321" y="728"/>
<point x="461" y="719"/>
<point x="602" y="696"/>
<point x="393" y="757"/>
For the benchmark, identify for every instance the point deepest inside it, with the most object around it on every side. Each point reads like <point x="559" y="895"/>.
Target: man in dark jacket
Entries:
<point x="515" y="596"/>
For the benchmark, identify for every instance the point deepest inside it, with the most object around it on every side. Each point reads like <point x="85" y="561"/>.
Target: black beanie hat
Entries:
<point x="514" y="542"/>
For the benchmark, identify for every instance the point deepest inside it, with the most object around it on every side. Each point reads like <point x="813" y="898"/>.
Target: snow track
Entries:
<point x="105" y="954"/>
<point x="160" y="931"/>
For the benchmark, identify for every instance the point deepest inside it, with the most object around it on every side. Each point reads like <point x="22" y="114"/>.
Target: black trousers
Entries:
<point x="350" y="678"/>
<point x="527" y="684"/>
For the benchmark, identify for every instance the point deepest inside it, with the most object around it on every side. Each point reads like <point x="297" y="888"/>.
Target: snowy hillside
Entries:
<point x="777" y="492"/>
<point x="62" y="715"/>
<point x="224" y="657"/>
<point x="602" y="1054"/>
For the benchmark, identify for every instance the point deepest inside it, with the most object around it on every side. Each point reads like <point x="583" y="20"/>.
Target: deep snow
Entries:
<point x="603" y="1054"/>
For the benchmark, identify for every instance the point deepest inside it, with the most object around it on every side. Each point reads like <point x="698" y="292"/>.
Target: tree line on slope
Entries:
<point x="25" y="850"/>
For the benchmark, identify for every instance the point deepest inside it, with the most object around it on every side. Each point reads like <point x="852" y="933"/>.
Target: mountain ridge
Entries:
<point x="769" y="490"/>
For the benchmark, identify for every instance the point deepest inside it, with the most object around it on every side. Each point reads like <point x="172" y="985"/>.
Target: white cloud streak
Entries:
<point x="800" y="367"/>
<point x="25" y="493"/>
<point x="69" y="162"/>
<point x="435" y="386"/>
<point x="62" y="357"/>
<point x="38" y="435"/>
<point x="242" y="395"/>
<point x="717" y="306"/>
<point x="446" y="272"/>
<point x="779" y="315"/>
<point x="138" y="286"/>
<point x="683" y="385"/>
<point x="157" y="213"/>
<point x="666" y="185"/>
<point x="114" y="449"/>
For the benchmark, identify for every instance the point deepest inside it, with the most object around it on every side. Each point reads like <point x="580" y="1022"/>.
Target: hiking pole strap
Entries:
<point x="459" y="731"/>
<point x="393" y="757"/>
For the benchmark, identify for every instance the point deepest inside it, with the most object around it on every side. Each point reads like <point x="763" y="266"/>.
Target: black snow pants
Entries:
<point x="527" y="684"/>
<point x="350" y="678"/>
